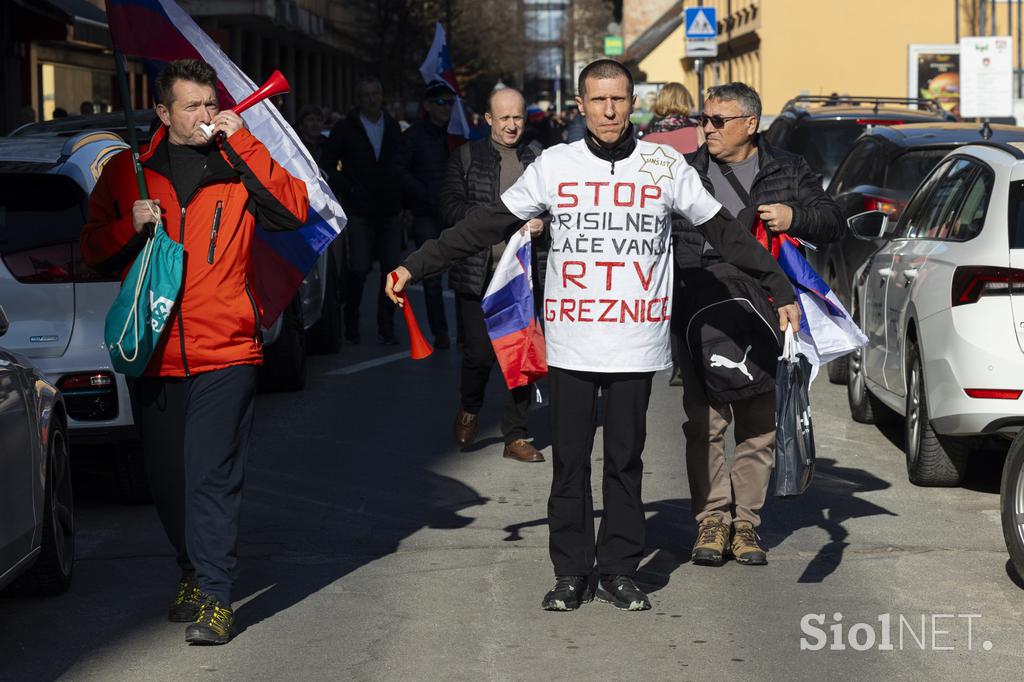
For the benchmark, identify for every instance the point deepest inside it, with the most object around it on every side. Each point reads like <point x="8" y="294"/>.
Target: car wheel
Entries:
<point x="839" y="370"/>
<point x="932" y="460"/>
<point x="130" y="472"/>
<point x="284" y="361"/>
<point x="1011" y="502"/>
<point x="865" y="408"/>
<point x="51" y="573"/>
<point x="325" y="335"/>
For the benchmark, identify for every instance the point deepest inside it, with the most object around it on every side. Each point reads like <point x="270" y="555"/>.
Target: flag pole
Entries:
<point x="133" y="142"/>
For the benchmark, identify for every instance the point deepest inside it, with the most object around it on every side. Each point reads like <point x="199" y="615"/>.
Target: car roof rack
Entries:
<point x="1014" y="149"/>
<point x="836" y="100"/>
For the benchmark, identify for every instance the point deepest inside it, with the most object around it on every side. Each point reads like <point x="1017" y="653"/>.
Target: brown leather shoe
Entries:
<point x="465" y="427"/>
<point x="523" y="451"/>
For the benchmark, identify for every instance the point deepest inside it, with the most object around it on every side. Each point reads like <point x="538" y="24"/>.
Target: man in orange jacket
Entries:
<point x="194" y="404"/>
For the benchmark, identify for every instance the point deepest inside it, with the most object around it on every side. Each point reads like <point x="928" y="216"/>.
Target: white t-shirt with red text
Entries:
<point x="608" y="285"/>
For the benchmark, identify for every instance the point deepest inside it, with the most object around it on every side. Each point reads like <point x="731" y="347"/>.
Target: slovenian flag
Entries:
<point x="159" y="31"/>
<point x="509" y="315"/>
<point x="437" y="66"/>
<point x="827" y="331"/>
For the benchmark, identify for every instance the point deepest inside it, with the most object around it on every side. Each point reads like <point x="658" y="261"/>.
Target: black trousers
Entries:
<point x="196" y="438"/>
<point x="620" y="539"/>
<point x="369" y="240"/>
<point x="423" y="230"/>
<point x="477" y="362"/>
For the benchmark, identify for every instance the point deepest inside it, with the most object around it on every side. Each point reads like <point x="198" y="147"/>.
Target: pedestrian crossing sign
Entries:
<point x="701" y="22"/>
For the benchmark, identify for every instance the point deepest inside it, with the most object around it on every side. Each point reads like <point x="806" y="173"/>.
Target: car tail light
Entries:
<point x="90" y="396"/>
<point x="53" y="264"/>
<point x="875" y="203"/>
<point x="972" y="282"/>
<point x="879" y="121"/>
<point x="997" y="393"/>
<point x="91" y="381"/>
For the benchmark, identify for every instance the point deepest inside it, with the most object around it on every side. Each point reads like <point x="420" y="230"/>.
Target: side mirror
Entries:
<point x="869" y="226"/>
<point x="4" y="322"/>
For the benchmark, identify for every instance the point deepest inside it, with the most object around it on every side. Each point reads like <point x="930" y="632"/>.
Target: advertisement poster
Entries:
<point x="934" y="73"/>
<point x="986" y="74"/>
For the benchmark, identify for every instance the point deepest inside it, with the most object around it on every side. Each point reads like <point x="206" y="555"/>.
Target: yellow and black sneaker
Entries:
<point x="185" y="607"/>
<point x="215" y="623"/>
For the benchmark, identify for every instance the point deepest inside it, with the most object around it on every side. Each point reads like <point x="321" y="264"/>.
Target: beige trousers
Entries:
<point x="737" y="492"/>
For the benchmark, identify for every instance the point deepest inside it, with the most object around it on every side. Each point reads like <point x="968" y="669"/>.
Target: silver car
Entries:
<point x="56" y="304"/>
<point x="37" y="525"/>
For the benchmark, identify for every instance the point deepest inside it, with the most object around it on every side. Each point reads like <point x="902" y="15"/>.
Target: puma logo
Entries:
<point x="719" y="361"/>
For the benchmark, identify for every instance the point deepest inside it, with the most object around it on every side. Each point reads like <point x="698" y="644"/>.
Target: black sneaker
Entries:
<point x="387" y="339"/>
<point x="442" y="341"/>
<point x="185" y="607"/>
<point x="569" y="593"/>
<point x="621" y="592"/>
<point x="214" y="624"/>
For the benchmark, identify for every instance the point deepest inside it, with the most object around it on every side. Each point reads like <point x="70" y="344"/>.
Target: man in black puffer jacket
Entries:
<point x="362" y="160"/>
<point x="426" y="156"/>
<point x="477" y="174"/>
<point x="741" y="171"/>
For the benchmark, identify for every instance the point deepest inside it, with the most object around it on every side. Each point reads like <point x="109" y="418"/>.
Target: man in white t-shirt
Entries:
<point x="606" y="306"/>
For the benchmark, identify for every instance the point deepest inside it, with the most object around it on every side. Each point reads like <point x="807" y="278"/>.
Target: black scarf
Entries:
<point x="622" y="148"/>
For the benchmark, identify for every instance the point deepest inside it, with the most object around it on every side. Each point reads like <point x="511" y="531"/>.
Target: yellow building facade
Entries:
<point x="784" y="48"/>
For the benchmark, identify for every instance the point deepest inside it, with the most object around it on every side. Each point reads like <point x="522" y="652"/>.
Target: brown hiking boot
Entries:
<point x="712" y="536"/>
<point x="746" y="546"/>
<point x="522" y="450"/>
<point x="465" y="427"/>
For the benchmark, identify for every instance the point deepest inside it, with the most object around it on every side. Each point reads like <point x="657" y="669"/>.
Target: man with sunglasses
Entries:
<point x="607" y="303"/>
<point x="741" y="170"/>
<point x="424" y="163"/>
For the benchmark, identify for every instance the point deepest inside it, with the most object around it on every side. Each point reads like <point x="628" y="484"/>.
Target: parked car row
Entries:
<point x="932" y="269"/>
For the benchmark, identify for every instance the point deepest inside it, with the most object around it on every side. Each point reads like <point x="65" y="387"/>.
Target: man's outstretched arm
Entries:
<point x="482" y="227"/>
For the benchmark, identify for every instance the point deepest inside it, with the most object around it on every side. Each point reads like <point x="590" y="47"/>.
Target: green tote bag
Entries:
<point x="141" y="312"/>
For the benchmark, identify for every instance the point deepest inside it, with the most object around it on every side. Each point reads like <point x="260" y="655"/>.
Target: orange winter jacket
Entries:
<point x="216" y="322"/>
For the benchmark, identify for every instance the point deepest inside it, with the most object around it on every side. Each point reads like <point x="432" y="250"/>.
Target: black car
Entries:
<point x="823" y="128"/>
<point x="881" y="172"/>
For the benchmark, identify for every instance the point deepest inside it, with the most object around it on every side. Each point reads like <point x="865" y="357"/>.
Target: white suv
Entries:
<point x="942" y="304"/>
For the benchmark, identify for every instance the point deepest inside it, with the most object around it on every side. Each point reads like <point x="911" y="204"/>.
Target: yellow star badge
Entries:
<point x="658" y="165"/>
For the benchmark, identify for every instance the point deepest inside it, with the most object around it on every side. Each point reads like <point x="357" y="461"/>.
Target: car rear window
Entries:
<point x="907" y="170"/>
<point x="1017" y="215"/>
<point x="38" y="210"/>
<point x="824" y="144"/>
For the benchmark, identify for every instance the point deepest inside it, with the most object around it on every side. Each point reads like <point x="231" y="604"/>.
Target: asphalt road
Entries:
<point x="373" y="549"/>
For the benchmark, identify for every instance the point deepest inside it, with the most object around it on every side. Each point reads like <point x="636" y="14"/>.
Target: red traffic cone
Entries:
<point x="419" y="348"/>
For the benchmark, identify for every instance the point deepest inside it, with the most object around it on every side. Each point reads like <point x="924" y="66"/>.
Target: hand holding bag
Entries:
<point x="142" y="309"/>
<point x="794" y="434"/>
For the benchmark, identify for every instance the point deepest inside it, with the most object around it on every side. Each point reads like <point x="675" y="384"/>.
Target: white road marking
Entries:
<point x="369" y="364"/>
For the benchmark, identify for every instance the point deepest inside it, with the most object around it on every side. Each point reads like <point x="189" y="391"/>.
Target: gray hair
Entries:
<point x="749" y="100"/>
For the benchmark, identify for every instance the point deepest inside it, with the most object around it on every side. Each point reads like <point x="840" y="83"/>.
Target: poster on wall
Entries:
<point x="986" y="65"/>
<point x="934" y="73"/>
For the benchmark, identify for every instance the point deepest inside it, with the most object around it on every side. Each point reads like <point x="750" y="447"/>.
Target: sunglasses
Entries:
<point x="443" y="101"/>
<point x="717" y="121"/>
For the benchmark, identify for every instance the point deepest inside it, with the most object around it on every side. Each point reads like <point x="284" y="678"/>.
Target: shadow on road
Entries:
<point x="336" y="481"/>
<point x="829" y="503"/>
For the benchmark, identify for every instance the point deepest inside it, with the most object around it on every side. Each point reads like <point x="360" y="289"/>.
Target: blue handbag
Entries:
<point x="141" y="311"/>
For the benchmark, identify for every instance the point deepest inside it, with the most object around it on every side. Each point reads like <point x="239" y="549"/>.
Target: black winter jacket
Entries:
<point x="465" y="188"/>
<point x="366" y="186"/>
<point x="783" y="178"/>
<point x="425" y="157"/>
